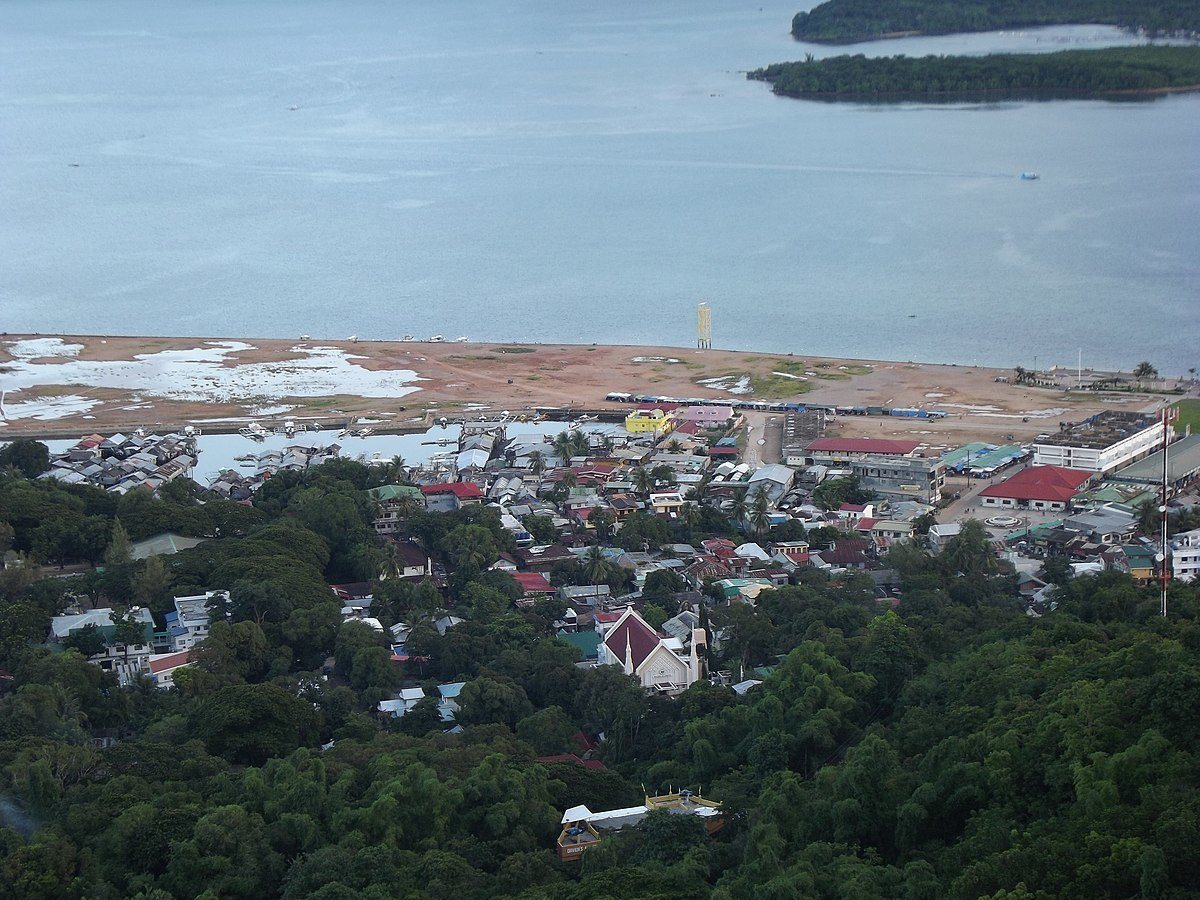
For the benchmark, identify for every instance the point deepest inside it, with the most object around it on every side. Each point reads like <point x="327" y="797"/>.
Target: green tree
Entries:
<point x="30" y="458"/>
<point x="549" y="731"/>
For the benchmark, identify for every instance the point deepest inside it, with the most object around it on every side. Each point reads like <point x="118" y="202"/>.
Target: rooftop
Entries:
<point x="1101" y="430"/>
<point x="1183" y="461"/>
<point x="1052" y="483"/>
<point x="878" y="446"/>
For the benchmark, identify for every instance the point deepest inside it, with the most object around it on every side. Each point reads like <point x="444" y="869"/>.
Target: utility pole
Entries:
<point x="1164" y="547"/>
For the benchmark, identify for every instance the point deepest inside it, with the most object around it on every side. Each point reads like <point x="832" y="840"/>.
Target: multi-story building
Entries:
<point x="654" y="420"/>
<point x="188" y="624"/>
<point x="1105" y="442"/>
<point x="1185" y="556"/>
<point x="899" y="478"/>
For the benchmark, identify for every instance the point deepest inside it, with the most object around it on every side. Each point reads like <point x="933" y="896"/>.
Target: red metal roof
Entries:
<point x="1050" y="483"/>
<point x="879" y="446"/>
<point x="533" y="582"/>
<point x="635" y="635"/>
<point x="171" y="661"/>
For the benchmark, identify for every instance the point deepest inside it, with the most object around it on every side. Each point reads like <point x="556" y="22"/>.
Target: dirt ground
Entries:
<point x="476" y="378"/>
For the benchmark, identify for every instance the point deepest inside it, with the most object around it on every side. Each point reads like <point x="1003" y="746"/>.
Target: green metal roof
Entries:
<point x="587" y="642"/>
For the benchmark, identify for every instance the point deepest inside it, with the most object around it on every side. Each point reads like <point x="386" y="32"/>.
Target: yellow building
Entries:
<point x="644" y="420"/>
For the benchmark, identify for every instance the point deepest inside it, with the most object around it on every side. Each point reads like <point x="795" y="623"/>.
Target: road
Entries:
<point x="766" y="427"/>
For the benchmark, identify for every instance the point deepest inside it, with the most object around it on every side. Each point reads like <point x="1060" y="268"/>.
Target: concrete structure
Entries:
<point x="163" y="666"/>
<point x="653" y="420"/>
<point x="1183" y="467"/>
<point x="1185" y="556"/>
<point x="900" y="478"/>
<point x="1103" y="443"/>
<point x="706" y="416"/>
<point x="1050" y="488"/>
<point x="838" y="451"/>
<point x="581" y="828"/>
<point x="188" y="624"/>
<point x="940" y="535"/>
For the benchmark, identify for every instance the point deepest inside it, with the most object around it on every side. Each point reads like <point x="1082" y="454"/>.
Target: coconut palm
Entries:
<point x="568" y="479"/>
<point x="595" y="566"/>
<point x="663" y="475"/>
<point x="643" y="481"/>
<point x="674" y="446"/>
<point x="537" y="462"/>
<point x="581" y="445"/>
<point x="737" y="511"/>
<point x="1144" y="370"/>
<point x="406" y="505"/>
<point x="759" y="518"/>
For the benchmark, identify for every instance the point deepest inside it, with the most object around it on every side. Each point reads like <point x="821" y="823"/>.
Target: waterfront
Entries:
<point x="573" y="173"/>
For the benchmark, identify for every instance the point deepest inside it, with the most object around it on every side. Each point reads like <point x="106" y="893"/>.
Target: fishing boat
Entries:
<point x="408" y="338"/>
<point x="1030" y="176"/>
<point x="364" y="432"/>
<point x="436" y="339"/>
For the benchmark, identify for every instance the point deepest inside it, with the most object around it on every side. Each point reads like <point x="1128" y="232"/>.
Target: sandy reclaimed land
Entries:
<point x="65" y="385"/>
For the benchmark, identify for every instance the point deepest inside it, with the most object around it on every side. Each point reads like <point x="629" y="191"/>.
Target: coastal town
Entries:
<point x="634" y="535"/>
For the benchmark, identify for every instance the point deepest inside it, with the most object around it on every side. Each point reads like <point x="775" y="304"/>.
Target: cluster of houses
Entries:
<point x="120" y="463"/>
<point x="148" y="651"/>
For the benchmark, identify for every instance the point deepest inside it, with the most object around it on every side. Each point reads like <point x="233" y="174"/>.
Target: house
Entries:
<point x="542" y="558"/>
<point x="188" y="624"/>
<point x="1185" y="555"/>
<point x="448" y="700"/>
<point x="586" y="642"/>
<point x="1108" y="525"/>
<point x="1048" y="488"/>
<point x="1105" y="442"/>
<point x="659" y="663"/>
<point x="402" y="703"/>
<point x="940" y="535"/>
<point x="596" y="595"/>
<point x="451" y="496"/>
<point x="744" y="590"/>
<point x="655" y="419"/>
<point x="126" y="661"/>
<point x="705" y="416"/>
<point x="840" y="558"/>
<point x="533" y="584"/>
<point x="775" y="479"/>
<point x="163" y="666"/>
<point x="886" y="532"/>
<point x="853" y="512"/>
<point x="666" y="503"/>
<point x="410" y="560"/>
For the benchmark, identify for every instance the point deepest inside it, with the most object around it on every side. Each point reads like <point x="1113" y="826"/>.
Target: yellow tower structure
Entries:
<point x="704" y="326"/>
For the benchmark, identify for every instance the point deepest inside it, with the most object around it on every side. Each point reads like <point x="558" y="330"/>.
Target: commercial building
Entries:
<point x="1103" y="443"/>
<point x="1037" y="487"/>
<point x="1185" y="556"/>
<point x="899" y="478"/>
<point x="1183" y="466"/>
<point x="653" y="420"/>
<point x="835" y="451"/>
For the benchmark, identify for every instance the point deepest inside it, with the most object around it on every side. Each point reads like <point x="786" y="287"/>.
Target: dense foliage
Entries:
<point x="950" y="747"/>
<point x="1075" y="73"/>
<point x="848" y="21"/>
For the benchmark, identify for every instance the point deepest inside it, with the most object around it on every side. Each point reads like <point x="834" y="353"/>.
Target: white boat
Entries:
<point x="364" y="432"/>
<point x="436" y="339"/>
<point x="463" y="339"/>
<point x="1030" y="176"/>
<point x="408" y="339"/>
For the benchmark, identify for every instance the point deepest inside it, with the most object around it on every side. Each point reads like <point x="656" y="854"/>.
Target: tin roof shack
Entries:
<point x="1103" y="443"/>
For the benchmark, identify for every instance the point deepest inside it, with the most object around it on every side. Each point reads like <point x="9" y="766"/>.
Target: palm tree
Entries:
<point x="758" y="511"/>
<point x="738" y="510"/>
<point x="674" y="446"/>
<point x="562" y="446"/>
<point x="392" y="566"/>
<point x="1020" y="374"/>
<point x="537" y="462"/>
<point x="643" y="481"/>
<point x="406" y="505"/>
<point x="595" y="565"/>
<point x="580" y="444"/>
<point x="1144" y="370"/>
<point x="568" y="480"/>
<point x="663" y="474"/>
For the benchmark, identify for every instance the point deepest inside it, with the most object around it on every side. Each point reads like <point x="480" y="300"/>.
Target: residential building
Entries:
<point x="395" y="501"/>
<point x="163" y="666"/>
<point x="188" y="624"/>
<point x="941" y="534"/>
<point x="409" y="559"/>
<point x="1103" y="443"/>
<point x="448" y="699"/>
<point x="1047" y="488"/>
<point x="402" y="703"/>
<point x="126" y="661"/>
<point x="582" y="828"/>
<point x="775" y="479"/>
<point x="452" y="496"/>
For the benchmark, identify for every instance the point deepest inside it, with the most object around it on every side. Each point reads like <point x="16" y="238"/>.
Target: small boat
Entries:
<point x="408" y="339"/>
<point x="436" y="339"/>
<point x="1030" y="176"/>
<point x="462" y="339"/>
<point x="364" y="432"/>
<point x="248" y="457"/>
<point x="344" y="433"/>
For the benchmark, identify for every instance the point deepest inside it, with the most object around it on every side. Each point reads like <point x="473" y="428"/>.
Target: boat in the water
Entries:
<point x="1030" y="176"/>
<point x="436" y="339"/>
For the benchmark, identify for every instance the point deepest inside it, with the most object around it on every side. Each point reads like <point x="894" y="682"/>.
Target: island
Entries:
<point x="1128" y="72"/>
<point x="851" y="21"/>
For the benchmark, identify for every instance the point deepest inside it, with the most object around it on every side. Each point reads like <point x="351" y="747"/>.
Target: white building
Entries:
<point x="1185" y="556"/>
<point x="163" y="666"/>
<point x="1102" y="443"/>
<point x="126" y="661"/>
<point x="659" y="663"/>
<point x="188" y="625"/>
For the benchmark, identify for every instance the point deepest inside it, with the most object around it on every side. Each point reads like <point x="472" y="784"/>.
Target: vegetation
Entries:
<point x="951" y="747"/>
<point x="849" y="21"/>
<point x="1189" y="415"/>
<point x="1069" y="73"/>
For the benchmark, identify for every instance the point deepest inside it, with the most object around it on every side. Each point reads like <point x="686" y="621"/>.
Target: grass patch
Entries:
<point x="533" y="377"/>
<point x="514" y="350"/>
<point x="1189" y="414"/>
<point x="857" y="370"/>
<point x="775" y="387"/>
<point x="474" y="357"/>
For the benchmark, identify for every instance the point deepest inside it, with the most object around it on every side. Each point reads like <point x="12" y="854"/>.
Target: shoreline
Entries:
<point x="69" y="385"/>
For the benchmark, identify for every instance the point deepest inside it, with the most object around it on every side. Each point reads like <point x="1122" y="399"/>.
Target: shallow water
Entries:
<point x="572" y="172"/>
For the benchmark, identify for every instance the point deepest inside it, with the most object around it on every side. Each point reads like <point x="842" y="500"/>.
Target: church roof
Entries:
<point x="632" y="633"/>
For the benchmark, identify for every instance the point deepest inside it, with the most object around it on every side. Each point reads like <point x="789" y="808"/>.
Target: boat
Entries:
<point x="365" y="432"/>
<point x="436" y="339"/>
<point x="1030" y="176"/>
<point x="408" y="339"/>
<point x="248" y="457"/>
<point x="462" y="339"/>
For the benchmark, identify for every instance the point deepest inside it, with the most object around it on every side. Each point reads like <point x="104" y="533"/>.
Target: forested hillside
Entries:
<point x="951" y="746"/>
<point x="849" y="21"/>
<point x="1070" y="73"/>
